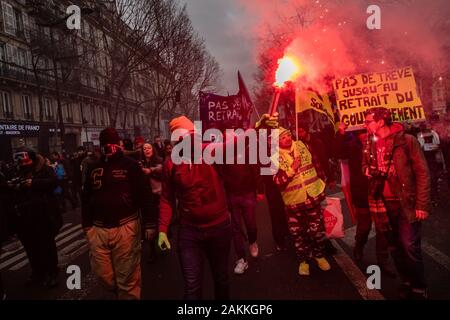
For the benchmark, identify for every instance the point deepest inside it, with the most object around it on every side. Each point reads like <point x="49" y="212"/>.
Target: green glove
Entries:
<point x="163" y="241"/>
<point x="268" y="120"/>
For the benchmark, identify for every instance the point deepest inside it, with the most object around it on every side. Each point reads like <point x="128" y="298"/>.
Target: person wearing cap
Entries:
<point x="399" y="195"/>
<point x="205" y="228"/>
<point x="301" y="182"/>
<point x="38" y="219"/>
<point x="114" y="194"/>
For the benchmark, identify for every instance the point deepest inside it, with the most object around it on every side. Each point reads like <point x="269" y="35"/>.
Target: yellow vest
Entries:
<point x="305" y="180"/>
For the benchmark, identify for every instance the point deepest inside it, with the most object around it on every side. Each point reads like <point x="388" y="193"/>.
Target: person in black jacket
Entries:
<point x="152" y="169"/>
<point x="37" y="214"/>
<point x="113" y="195"/>
<point x="5" y="205"/>
<point x="242" y="182"/>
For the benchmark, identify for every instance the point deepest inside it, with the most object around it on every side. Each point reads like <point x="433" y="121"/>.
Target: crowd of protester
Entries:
<point x="131" y="194"/>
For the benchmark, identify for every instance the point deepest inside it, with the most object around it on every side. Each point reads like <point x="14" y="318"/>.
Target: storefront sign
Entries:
<point x="19" y="129"/>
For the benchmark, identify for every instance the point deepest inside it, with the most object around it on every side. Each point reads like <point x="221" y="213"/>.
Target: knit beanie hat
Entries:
<point x="109" y="136"/>
<point x="181" y="122"/>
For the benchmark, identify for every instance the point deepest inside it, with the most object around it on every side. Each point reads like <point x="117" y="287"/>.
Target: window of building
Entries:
<point x="102" y="116"/>
<point x="130" y="120"/>
<point x="22" y="55"/>
<point x="26" y="25"/>
<point x="12" y="54"/>
<point x="93" y="114"/>
<point x="9" y="18"/>
<point x="26" y="107"/>
<point x="3" y="64"/>
<point x="48" y="109"/>
<point x="6" y="104"/>
<point x="106" y="116"/>
<point x="69" y="112"/>
<point x="19" y="22"/>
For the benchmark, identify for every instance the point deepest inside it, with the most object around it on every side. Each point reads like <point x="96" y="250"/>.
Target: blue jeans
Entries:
<point x="404" y="242"/>
<point x="242" y="206"/>
<point x="194" y="244"/>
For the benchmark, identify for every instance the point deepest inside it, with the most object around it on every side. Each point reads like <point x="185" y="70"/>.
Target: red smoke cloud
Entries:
<point x="331" y="39"/>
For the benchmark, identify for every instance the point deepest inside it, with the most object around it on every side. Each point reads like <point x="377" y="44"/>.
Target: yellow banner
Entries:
<point x="309" y="99"/>
<point x="395" y="90"/>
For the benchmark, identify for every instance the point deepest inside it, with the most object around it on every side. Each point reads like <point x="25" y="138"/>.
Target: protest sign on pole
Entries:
<point x="226" y="112"/>
<point x="395" y="90"/>
<point x="311" y="99"/>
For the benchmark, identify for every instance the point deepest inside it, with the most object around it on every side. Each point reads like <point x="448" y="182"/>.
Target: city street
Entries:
<point x="270" y="276"/>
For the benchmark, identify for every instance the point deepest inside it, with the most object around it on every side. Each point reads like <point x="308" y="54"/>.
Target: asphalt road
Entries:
<point x="270" y="276"/>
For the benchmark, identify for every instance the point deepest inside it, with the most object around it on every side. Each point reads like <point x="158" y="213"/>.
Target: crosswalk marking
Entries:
<point x="355" y="275"/>
<point x="17" y="258"/>
<point x="16" y="246"/>
<point x="437" y="255"/>
<point x="61" y="235"/>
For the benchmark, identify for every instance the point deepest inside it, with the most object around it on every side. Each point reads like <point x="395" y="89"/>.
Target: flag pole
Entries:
<point x="296" y="114"/>
<point x="244" y="87"/>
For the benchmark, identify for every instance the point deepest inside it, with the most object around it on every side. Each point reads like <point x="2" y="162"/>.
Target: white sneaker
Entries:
<point x="241" y="266"/>
<point x="254" y="250"/>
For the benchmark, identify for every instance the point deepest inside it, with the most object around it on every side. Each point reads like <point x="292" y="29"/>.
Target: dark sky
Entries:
<point x="220" y="23"/>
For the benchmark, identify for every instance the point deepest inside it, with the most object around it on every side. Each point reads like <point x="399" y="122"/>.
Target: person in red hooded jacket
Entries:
<point x="399" y="195"/>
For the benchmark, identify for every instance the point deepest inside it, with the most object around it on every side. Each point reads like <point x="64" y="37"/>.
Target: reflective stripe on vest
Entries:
<point x="305" y="182"/>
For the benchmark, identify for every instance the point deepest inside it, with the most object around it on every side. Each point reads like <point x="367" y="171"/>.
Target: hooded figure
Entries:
<point x="205" y="229"/>
<point x="37" y="214"/>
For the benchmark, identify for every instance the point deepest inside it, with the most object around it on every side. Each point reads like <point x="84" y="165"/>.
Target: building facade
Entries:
<point x="55" y="83"/>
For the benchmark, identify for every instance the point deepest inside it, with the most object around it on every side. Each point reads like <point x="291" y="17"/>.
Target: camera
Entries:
<point x="377" y="180"/>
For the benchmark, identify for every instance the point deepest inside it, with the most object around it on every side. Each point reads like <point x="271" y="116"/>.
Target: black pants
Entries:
<point x="363" y="227"/>
<point x="194" y="244"/>
<point x="38" y="239"/>
<point x="405" y="246"/>
<point x="277" y="213"/>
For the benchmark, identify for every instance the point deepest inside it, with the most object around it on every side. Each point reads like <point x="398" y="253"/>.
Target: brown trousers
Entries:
<point x="115" y="255"/>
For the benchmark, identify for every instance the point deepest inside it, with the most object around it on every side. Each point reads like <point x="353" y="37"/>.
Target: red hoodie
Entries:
<point x="200" y="194"/>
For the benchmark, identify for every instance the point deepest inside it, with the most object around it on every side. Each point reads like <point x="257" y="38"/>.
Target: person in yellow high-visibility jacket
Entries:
<point x="301" y="182"/>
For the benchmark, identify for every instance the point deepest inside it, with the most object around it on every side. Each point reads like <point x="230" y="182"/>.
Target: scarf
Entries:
<point x="377" y="206"/>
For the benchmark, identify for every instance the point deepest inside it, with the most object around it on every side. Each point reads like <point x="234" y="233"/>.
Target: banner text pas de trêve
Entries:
<point x="395" y="90"/>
